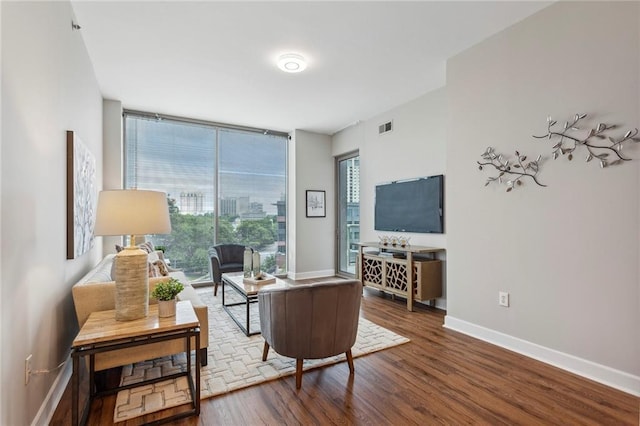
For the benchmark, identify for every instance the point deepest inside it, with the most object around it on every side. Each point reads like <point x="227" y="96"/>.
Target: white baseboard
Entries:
<point x="50" y="403"/>
<point x="312" y="274"/>
<point x="600" y="373"/>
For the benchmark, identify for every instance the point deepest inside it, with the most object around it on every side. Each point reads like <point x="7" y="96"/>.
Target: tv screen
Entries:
<point x="414" y="205"/>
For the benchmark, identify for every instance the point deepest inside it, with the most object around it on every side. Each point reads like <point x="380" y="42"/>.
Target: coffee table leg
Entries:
<point x="248" y="323"/>
<point x="198" y="361"/>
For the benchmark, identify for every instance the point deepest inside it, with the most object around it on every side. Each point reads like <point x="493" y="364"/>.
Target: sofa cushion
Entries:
<point x="162" y="267"/>
<point x="158" y="264"/>
<point x="146" y="247"/>
<point x="100" y="273"/>
<point x="153" y="270"/>
<point x="180" y="276"/>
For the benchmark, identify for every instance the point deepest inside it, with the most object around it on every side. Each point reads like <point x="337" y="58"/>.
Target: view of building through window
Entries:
<point x="349" y="213"/>
<point x="223" y="186"/>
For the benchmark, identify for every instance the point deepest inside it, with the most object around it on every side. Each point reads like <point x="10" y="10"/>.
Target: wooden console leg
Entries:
<point x="409" y="281"/>
<point x="265" y="351"/>
<point x="298" y="373"/>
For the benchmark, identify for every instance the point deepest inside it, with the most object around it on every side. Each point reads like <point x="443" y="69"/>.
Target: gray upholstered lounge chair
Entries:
<point x="225" y="258"/>
<point x="311" y="321"/>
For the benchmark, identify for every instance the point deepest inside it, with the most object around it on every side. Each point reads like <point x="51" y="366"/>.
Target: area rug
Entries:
<point x="234" y="362"/>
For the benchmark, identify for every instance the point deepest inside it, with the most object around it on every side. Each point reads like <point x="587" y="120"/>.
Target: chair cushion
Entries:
<point x="231" y="267"/>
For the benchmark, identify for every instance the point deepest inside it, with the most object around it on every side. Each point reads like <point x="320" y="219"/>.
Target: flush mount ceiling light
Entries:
<point x="292" y="62"/>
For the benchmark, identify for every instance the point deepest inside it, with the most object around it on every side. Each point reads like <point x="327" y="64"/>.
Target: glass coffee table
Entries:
<point x="245" y="295"/>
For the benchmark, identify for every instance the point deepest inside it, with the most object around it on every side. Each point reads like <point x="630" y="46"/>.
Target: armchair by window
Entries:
<point x="310" y="321"/>
<point x="225" y="258"/>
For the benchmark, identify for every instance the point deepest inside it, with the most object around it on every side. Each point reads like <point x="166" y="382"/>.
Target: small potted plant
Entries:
<point x="165" y="292"/>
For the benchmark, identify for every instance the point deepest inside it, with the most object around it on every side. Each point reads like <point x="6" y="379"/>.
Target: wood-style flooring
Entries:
<point x="440" y="377"/>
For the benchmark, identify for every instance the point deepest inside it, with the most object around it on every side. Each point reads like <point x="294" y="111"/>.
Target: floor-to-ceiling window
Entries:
<point x="223" y="185"/>
<point x="348" y="213"/>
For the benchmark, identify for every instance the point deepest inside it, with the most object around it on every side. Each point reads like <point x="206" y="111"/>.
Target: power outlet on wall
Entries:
<point x="503" y="298"/>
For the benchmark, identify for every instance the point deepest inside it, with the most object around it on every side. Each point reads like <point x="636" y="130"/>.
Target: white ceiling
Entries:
<point x="216" y="60"/>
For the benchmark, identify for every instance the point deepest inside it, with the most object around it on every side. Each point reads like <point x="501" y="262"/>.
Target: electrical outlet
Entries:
<point x="27" y="369"/>
<point x="503" y="298"/>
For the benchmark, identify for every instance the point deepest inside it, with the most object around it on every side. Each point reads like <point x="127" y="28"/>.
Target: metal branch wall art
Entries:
<point x="511" y="172"/>
<point x="606" y="149"/>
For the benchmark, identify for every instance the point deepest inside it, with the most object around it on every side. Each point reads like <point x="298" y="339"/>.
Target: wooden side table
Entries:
<point x="102" y="333"/>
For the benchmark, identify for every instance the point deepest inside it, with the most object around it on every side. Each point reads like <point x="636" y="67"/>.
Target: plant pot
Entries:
<point x="166" y="308"/>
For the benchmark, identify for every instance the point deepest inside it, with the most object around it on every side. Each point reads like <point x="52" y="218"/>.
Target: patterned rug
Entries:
<point x="235" y="362"/>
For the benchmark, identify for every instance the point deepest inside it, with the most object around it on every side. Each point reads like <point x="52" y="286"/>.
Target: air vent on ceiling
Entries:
<point x="385" y="128"/>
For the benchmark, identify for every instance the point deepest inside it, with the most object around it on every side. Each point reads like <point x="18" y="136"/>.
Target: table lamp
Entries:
<point x="132" y="212"/>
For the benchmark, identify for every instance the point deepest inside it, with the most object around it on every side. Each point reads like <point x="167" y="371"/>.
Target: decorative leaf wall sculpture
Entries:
<point x="599" y="145"/>
<point x="608" y="151"/>
<point x="511" y="172"/>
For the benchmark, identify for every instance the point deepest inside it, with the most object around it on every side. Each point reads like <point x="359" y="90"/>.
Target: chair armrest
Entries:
<point x="214" y="266"/>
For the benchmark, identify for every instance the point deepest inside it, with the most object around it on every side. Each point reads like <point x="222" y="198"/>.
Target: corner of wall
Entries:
<point x="311" y="167"/>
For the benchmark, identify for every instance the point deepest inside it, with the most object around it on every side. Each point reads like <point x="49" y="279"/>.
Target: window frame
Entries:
<point x="216" y="127"/>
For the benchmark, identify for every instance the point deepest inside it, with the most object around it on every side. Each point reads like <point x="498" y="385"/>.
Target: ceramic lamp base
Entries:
<point x="132" y="285"/>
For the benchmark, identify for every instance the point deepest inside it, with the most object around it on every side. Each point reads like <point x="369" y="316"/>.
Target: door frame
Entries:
<point x="338" y="159"/>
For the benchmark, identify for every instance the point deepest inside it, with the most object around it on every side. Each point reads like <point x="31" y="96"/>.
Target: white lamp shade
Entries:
<point x="132" y="212"/>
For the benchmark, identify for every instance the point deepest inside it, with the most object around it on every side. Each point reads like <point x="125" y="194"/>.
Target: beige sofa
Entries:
<point x="96" y="292"/>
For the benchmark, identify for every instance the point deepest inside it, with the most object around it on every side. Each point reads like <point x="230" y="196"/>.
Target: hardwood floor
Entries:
<point x="440" y="377"/>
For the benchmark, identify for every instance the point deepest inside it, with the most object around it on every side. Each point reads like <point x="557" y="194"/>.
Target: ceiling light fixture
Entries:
<point x="292" y="62"/>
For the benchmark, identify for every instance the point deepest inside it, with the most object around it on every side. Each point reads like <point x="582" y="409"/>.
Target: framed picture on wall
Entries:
<point x="81" y="196"/>
<point x="316" y="206"/>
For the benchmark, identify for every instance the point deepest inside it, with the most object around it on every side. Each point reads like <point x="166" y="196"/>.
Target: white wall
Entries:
<point x="112" y="162"/>
<point x="1" y="227"/>
<point x="567" y="253"/>
<point x="48" y="87"/>
<point x="415" y="148"/>
<point x="311" y="241"/>
<point x="112" y="147"/>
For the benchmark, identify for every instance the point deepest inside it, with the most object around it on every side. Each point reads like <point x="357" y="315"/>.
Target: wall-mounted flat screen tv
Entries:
<point x="414" y="205"/>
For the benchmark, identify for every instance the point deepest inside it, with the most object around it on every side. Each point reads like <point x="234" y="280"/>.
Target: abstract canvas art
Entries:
<point x="81" y="196"/>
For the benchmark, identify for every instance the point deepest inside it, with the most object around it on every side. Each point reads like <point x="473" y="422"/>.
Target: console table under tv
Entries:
<point x="386" y="269"/>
